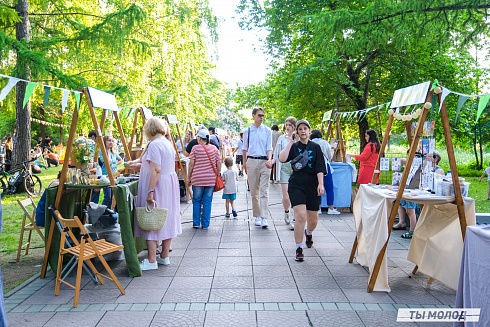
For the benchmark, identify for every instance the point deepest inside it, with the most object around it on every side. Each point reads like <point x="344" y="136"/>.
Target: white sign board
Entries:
<point x="172" y="119"/>
<point x="146" y="112"/>
<point x="408" y="96"/>
<point x="101" y="99"/>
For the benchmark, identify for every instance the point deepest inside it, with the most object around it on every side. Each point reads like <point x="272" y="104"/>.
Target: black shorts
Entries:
<point x="302" y="189"/>
<point x="239" y="159"/>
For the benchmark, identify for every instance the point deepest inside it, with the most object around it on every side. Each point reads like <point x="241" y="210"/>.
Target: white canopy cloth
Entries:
<point x="437" y="243"/>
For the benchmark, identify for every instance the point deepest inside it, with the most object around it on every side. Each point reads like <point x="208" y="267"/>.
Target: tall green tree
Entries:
<point x="147" y="52"/>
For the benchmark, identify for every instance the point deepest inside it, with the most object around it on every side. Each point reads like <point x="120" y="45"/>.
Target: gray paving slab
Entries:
<point x="237" y="274"/>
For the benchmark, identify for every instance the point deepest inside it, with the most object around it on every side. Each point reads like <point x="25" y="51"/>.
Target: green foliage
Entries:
<point x="146" y="52"/>
<point x="353" y="55"/>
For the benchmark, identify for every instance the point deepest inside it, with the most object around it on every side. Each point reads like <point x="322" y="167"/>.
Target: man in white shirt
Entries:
<point x="257" y="163"/>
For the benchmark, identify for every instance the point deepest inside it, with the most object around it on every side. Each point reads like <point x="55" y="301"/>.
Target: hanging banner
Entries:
<point x="47" y="90"/>
<point x="64" y="100"/>
<point x="29" y="90"/>
<point x="131" y="110"/>
<point x="461" y="101"/>
<point x="12" y="82"/>
<point x="77" y="100"/>
<point x="482" y="103"/>
<point x="445" y="93"/>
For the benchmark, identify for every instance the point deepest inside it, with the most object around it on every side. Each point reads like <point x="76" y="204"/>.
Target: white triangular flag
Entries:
<point x="64" y="100"/>
<point x="445" y="93"/>
<point x="6" y="89"/>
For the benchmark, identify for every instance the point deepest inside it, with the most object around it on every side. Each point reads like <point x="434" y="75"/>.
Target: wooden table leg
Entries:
<point x="430" y="281"/>
<point x="353" y="251"/>
<point x="414" y="271"/>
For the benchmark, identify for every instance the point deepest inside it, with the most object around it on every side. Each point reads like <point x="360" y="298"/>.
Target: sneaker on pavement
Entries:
<point x="333" y="212"/>
<point x="264" y="223"/>
<point x="407" y="234"/>
<point x="292" y="225"/>
<point x="234" y="213"/>
<point x="227" y="215"/>
<point x="287" y="220"/>
<point x="299" y="254"/>
<point x="258" y="221"/>
<point x="309" y="240"/>
<point x="195" y="226"/>
<point x="147" y="265"/>
<point x="163" y="261"/>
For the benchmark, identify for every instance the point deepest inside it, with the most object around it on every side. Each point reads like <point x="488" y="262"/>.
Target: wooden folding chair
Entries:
<point x="30" y="226"/>
<point x="84" y="251"/>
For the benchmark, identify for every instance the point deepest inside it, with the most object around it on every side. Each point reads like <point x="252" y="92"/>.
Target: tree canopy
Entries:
<point x="354" y="54"/>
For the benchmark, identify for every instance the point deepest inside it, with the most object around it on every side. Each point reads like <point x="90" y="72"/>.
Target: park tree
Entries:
<point x="146" y="52"/>
<point x="353" y="54"/>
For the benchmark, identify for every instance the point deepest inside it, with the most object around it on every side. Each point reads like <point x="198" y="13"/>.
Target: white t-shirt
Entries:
<point x="230" y="180"/>
<point x="487" y="171"/>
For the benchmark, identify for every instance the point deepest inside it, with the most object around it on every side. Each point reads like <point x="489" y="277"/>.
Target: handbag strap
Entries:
<point x="215" y="171"/>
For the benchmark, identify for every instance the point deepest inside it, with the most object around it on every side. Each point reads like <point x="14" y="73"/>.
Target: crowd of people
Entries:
<point x="298" y="159"/>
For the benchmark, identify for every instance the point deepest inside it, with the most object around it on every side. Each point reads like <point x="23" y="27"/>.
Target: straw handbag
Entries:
<point x="151" y="219"/>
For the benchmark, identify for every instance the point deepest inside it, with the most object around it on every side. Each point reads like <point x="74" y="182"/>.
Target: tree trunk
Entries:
<point x="61" y="128"/>
<point x="22" y="134"/>
<point x="43" y="118"/>
<point x="475" y="149"/>
<point x="480" y="166"/>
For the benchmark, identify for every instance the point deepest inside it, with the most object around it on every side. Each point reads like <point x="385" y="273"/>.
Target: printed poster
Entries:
<point x="396" y="164"/>
<point x="425" y="146"/>
<point x="397" y="177"/>
<point x="432" y="145"/>
<point x="384" y="164"/>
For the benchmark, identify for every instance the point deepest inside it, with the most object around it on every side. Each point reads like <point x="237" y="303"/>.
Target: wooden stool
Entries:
<point x="30" y="226"/>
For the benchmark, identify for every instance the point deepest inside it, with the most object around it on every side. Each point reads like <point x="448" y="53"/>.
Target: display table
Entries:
<point x="74" y="200"/>
<point x="474" y="281"/>
<point x="342" y="186"/>
<point x="437" y="243"/>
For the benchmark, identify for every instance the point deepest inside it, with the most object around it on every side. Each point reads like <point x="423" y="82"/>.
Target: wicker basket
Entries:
<point x="151" y="219"/>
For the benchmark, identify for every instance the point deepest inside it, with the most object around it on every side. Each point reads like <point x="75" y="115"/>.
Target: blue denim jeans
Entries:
<point x="202" y="195"/>
<point x="95" y="196"/>
<point x="328" y="185"/>
<point x="107" y="197"/>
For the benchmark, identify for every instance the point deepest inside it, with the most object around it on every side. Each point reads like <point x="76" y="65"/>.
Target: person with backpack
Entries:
<point x="214" y="138"/>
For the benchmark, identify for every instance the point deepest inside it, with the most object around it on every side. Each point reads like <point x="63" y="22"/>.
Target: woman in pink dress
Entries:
<point x="158" y="182"/>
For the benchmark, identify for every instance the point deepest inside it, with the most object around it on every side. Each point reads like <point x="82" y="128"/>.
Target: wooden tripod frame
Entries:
<point x="69" y="145"/>
<point x="139" y="111"/>
<point x="330" y="128"/>
<point x="177" y="152"/>
<point x="413" y="148"/>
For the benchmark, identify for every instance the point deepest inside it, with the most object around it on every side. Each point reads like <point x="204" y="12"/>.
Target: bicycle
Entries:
<point x="11" y="180"/>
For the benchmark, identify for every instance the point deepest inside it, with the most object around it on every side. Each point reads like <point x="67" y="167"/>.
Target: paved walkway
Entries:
<point x="237" y="274"/>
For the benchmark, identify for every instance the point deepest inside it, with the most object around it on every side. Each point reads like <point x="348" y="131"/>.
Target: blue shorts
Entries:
<point x="408" y="204"/>
<point x="229" y="196"/>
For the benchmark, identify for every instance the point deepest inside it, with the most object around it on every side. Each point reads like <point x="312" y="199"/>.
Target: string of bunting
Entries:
<point x="42" y="122"/>
<point x="30" y="90"/>
<point x="361" y="113"/>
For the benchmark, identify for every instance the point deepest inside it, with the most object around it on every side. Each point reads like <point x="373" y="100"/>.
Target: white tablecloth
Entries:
<point x="436" y="246"/>
<point x="474" y="278"/>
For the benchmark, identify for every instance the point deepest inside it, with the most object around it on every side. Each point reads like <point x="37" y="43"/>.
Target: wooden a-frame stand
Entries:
<point x="69" y="145"/>
<point x="413" y="148"/>
<point x="181" y="167"/>
<point x="340" y="150"/>
<point x="139" y="111"/>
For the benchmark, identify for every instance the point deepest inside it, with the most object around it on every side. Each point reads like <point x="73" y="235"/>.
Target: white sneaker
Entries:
<point x="320" y="211"/>
<point x="333" y="212"/>
<point x="286" y="218"/>
<point x="147" y="265"/>
<point x="258" y="221"/>
<point x="292" y="225"/>
<point x="162" y="261"/>
<point x="264" y="223"/>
